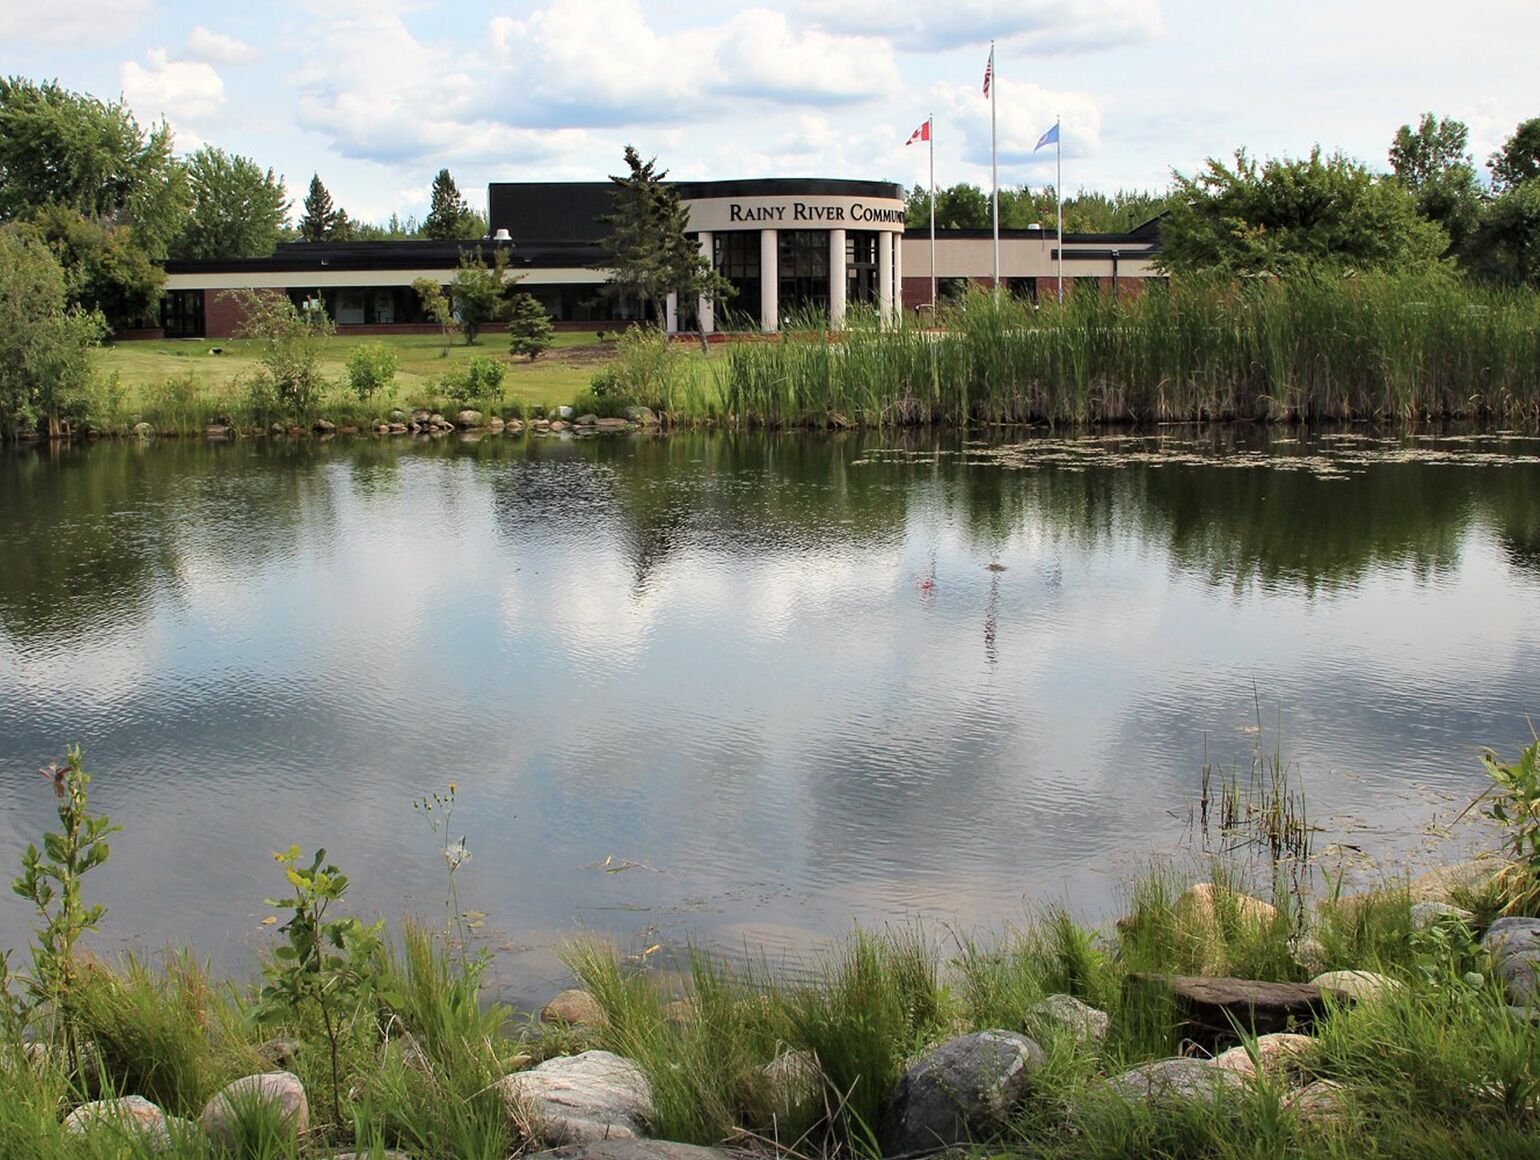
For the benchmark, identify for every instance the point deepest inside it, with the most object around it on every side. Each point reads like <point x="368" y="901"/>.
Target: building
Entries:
<point x="787" y="245"/>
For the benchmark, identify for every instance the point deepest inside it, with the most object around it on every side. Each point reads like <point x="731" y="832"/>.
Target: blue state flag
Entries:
<point x="1049" y="138"/>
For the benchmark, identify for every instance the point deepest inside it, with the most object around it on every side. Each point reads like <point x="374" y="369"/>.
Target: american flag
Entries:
<point x="989" y="71"/>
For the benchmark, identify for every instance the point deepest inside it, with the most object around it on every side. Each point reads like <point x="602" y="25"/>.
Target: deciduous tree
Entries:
<point x="238" y="209"/>
<point x="105" y="270"/>
<point x="1431" y="161"/>
<point x="1518" y="161"/>
<point x="479" y="291"/>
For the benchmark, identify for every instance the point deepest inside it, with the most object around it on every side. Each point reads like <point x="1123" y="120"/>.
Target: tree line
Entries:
<point x="1245" y="217"/>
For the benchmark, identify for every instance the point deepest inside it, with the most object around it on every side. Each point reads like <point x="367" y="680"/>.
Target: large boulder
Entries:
<point x="1322" y="1104"/>
<point x="633" y="1150"/>
<point x="1514" y="945"/>
<point x="574" y="1007"/>
<point x="577" y="1099"/>
<point x="1359" y="986"/>
<point x="277" y="1093"/>
<point x="468" y="419"/>
<point x="1066" y="1015"/>
<point x="793" y="1083"/>
<point x="127" y="1116"/>
<point x="1176" y="1079"/>
<point x="1212" y="1010"/>
<point x="1426" y="914"/>
<point x="964" y="1090"/>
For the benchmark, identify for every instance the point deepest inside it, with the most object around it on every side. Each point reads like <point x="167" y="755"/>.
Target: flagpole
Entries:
<point x="1058" y="149"/>
<point x="994" y="160"/>
<point x="933" y="218"/>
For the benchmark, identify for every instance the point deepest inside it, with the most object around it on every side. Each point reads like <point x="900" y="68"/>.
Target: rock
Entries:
<point x="1176" y="1079"/>
<point x="280" y="1054"/>
<point x="1277" y="1055"/>
<point x="279" y="1091"/>
<point x="397" y="416"/>
<point x="143" y="430"/>
<point x="383" y="428"/>
<point x="1067" y="1015"/>
<point x="586" y="420"/>
<point x="216" y="431"/>
<point x="575" y="1007"/>
<point x="494" y="424"/>
<point x="542" y="424"/>
<point x="558" y="425"/>
<point x="419" y="417"/>
<point x="1309" y="954"/>
<point x="1442" y="884"/>
<point x="633" y="1150"/>
<point x="643" y="415"/>
<point x="577" y="1099"/>
<point x="564" y="412"/>
<point x="435" y="420"/>
<point x="468" y="418"/>
<point x="1360" y="986"/>
<point x="130" y="1115"/>
<point x="1525" y="1014"/>
<point x="277" y="429"/>
<point x="513" y="426"/>
<point x="963" y="1091"/>
<point x="611" y="425"/>
<point x="1210" y="1009"/>
<point x="399" y="428"/>
<point x="1426" y="914"/>
<point x="323" y="427"/>
<point x="1322" y="1104"/>
<point x="1203" y="910"/>
<point x="793" y="1083"/>
<point x="1514" y="944"/>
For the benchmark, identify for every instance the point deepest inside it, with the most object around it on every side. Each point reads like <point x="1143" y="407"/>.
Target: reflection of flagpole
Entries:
<point x="933" y="218"/>
<point x="1058" y="149"/>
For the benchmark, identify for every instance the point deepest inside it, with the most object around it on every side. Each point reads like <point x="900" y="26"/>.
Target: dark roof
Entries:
<point x="302" y="256"/>
<point x="1139" y="237"/>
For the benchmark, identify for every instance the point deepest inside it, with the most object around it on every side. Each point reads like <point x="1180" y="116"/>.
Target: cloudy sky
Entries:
<point x="377" y="96"/>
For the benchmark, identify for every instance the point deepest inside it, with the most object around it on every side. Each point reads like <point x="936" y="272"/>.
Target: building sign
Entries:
<point x="809" y="213"/>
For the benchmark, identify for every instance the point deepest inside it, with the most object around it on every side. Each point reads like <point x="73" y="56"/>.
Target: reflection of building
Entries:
<point x="787" y="245"/>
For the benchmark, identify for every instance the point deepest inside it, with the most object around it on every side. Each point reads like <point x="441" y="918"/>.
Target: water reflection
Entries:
<point x="789" y="681"/>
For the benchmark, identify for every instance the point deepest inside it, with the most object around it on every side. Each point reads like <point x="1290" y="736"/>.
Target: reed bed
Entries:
<point x="1305" y="348"/>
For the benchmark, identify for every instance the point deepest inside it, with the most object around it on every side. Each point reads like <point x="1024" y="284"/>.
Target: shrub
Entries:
<point x="478" y="380"/>
<point x="372" y="371"/>
<point x="289" y="380"/>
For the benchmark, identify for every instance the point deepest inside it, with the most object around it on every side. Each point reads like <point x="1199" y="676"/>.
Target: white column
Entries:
<point x="706" y="307"/>
<point x="671" y="312"/>
<point x="837" y="279"/>
<point x="885" y="275"/>
<point x="898" y="273"/>
<point x="769" y="281"/>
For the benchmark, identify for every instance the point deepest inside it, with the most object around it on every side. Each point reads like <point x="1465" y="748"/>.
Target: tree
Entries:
<point x="1288" y="214"/>
<point x="238" y="209"/>
<point x="45" y="347"/>
<point x="1507" y="244"/>
<point x="449" y="218"/>
<point x="105" y="269"/>
<point x="1518" y="161"/>
<point x="288" y="382"/>
<point x="650" y="250"/>
<point x="436" y="305"/>
<point x="479" y="291"/>
<point x="323" y="222"/>
<point x="529" y="327"/>
<point x="1431" y="161"/>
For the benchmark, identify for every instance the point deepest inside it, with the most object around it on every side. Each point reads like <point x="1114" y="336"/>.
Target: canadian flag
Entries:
<point x="920" y="134"/>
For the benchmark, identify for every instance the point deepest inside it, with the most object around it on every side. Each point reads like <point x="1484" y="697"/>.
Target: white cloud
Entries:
<point x="178" y="90"/>
<point x="1025" y="113"/>
<point x="71" y="22"/>
<point x="217" y="48"/>
<point x="1053" y="27"/>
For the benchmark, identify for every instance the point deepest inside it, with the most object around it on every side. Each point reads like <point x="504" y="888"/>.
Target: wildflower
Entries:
<point x="456" y="854"/>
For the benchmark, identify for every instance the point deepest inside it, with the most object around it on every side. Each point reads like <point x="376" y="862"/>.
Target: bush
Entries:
<point x="478" y="380"/>
<point x="646" y="370"/>
<point x="289" y="381"/>
<point x="372" y="371"/>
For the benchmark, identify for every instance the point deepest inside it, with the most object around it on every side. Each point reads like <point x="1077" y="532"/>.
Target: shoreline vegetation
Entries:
<point x="1304" y="349"/>
<point x="1207" y="1022"/>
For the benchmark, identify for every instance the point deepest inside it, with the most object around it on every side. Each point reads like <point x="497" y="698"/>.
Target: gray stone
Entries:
<point x="633" y="1150"/>
<point x="216" y="431"/>
<point x="1067" y="1015"/>
<point x="1176" y="1079"/>
<point x="586" y="420"/>
<point x="1360" y="986"/>
<point x="643" y="415"/>
<point x="564" y="412"/>
<point x="513" y="426"/>
<point x="1514" y="944"/>
<point x="577" y="1099"/>
<point x="574" y="1007"/>
<point x="1426" y="914"/>
<point x="127" y="1116"/>
<point x="611" y="425"/>
<point x="962" y="1091"/>
<point x="279" y="1091"/>
<point x="469" y="418"/>
<point x="323" y="427"/>
<point x="280" y="1054"/>
<point x="1321" y="1104"/>
<point x="1279" y="1054"/>
<point x="793" y="1083"/>
<point x="143" y="430"/>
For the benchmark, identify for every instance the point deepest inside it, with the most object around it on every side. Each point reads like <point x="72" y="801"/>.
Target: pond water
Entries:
<point x="742" y="689"/>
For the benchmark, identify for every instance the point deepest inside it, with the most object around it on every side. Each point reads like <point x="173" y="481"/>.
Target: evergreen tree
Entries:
<point x="529" y="327"/>
<point x="322" y="221"/>
<point x="449" y="218"/>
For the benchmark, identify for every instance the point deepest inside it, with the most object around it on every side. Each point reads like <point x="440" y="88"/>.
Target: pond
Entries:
<point x="743" y="689"/>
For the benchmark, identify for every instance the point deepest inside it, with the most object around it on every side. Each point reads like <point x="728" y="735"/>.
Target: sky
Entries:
<point x="377" y="96"/>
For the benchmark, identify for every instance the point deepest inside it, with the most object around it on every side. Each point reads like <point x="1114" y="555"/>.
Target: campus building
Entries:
<point x="788" y="246"/>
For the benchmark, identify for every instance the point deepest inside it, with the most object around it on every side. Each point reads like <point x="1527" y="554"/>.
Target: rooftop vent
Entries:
<point x="502" y="236"/>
